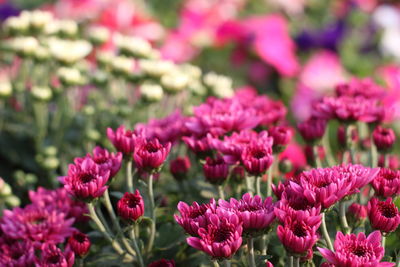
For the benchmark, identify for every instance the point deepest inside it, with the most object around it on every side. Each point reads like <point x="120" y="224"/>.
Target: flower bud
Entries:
<point x="219" y="85"/>
<point x="216" y="170"/>
<point x="123" y="65"/>
<point x="313" y="129"/>
<point x="151" y="92"/>
<point x="179" y="167"/>
<point x="285" y="166"/>
<point x="50" y="163"/>
<point x="68" y="28"/>
<point x="162" y="263"/>
<point x="93" y="134"/>
<point x="383" y="215"/>
<point x="69" y="51"/>
<point x="384" y="138"/>
<point x="357" y="212"/>
<point x="131" y="206"/>
<point x="5" y="190"/>
<point x="16" y="25"/>
<point x="13" y="201"/>
<point x="281" y="136"/>
<point x="41" y="93"/>
<point x="79" y="243"/>
<point x="39" y="19"/>
<point x="25" y="46"/>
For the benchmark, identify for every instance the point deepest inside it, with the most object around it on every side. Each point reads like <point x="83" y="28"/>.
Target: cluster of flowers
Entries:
<point x="37" y="234"/>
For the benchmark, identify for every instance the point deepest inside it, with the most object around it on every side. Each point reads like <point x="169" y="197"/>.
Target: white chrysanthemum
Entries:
<point x="156" y="68"/>
<point x="39" y="19"/>
<point x="5" y="88"/>
<point x="25" y="45"/>
<point x="70" y="76"/>
<point x="69" y="51"/>
<point x="192" y="71"/>
<point x="99" y="34"/>
<point x="220" y="85"/>
<point x="151" y="92"/>
<point x="123" y="65"/>
<point x="134" y="46"/>
<point x="42" y="93"/>
<point x="16" y="24"/>
<point x="174" y="81"/>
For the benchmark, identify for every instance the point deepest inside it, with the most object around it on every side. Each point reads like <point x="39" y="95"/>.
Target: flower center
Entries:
<point x="100" y="159"/>
<point x="222" y="234"/>
<point x="194" y="213"/>
<point x="86" y="178"/>
<point x="360" y="251"/>
<point x="132" y="201"/>
<point x="79" y="237"/>
<point x="152" y="148"/>
<point x="388" y="210"/>
<point x="258" y="153"/>
<point x="54" y="259"/>
<point x="300" y="230"/>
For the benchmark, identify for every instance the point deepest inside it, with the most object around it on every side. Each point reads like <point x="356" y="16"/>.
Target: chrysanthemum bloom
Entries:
<point x="162" y="263"/>
<point x="257" y="215"/>
<point x="53" y="256"/>
<point x="384" y="138"/>
<point x="357" y="212"/>
<point x="17" y="253"/>
<point x="294" y="204"/>
<point x="356" y="250"/>
<point x="122" y="139"/>
<point x="281" y="136"/>
<point x="215" y="170"/>
<point x="150" y="155"/>
<point x="200" y="145"/>
<point x="257" y="158"/>
<point x="387" y="183"/>
<point x="105" y="159"/>
<point x="221" y="237"/>
<point x="357" y="174"/>
<point x="298" y="235"/>
<point x="360" y="87"/>
<point x="194" y="217"/>
<point x="86" y="180"/>
<point x="313" y="129"/>
<point x="180" y="167"/>
<point x="36" y="224"/>
<point x="383" y="215"/>
<point x="268" y="264"/>
<point x="79" y="243"/>
<point x="59" y="200"/>
<point x="131" y="206"/>
<point x="232" y="146"/>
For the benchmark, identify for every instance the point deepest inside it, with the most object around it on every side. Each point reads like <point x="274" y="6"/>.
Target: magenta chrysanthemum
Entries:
<point x="257" y="158"/>
<point x="17" y="254"/>
<point x="79" y="243"/>
<point x="122" y="139"/>
<point x="356" y="250"/>
<point x="131" y="206"/>
<point x="215" y="170"/>
<point x="383" y="215"/>
<point x="387" y="183"/>
<point x="52" y="256"/>
<point x="150" y="155"/>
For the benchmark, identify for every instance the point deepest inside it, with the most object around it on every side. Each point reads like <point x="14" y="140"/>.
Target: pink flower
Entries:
<point x="384" y="138"/>
<point x="200" y="145"/>
<point x="357" y="211"/>
<point x="356" y="250"/>
<point x="298" y="235"/>
<point x="36" y="224"/>
<point x="180" y="167"/>
<point x="162" y="263"/>
<point x="53" y="256"/>
<point x="387" y="183"/>
<point x="257" y="215"/>
<point x="122" y="139"/>
<point x="257" y="158"/>
<point x="194" y="217"/>
<point x="107" y="160"/>
<point x="60" y="201"/>
<point x="281" y="136"/>
<point x="215" y="170"/>
<point x="86" y="180"/>
<point x="313" y="129"/>
<point x="383" y="215"/>
<point x="150" y="155"/>
<point x="131" y="206"/>
<point x="360" y="87"/>
<point x="268" y="264"/>
<point x="17" y="254"/>
<point x="221" y="237"/>
<point x="79" y="243"/>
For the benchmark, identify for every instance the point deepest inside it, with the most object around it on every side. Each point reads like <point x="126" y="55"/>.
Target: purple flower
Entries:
<point x="356" y="250"/>
<point x="162" y="263"/>
<point x="384" y="138"/>
<point x="17" y="254"/>
<point x="180" y="167"/>
<point x="313" y="129"/>
<point x="257" y="158"/>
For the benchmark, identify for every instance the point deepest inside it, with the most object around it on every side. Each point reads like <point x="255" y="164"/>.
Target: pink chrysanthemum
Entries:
<point x="387" y="183"/>
<point x="17" y="254"/>
<point x="151" y="154"/>
<point x="122" y="139"/>
<point x="52" y="256"/>
<point x="215" y="170"/>
<point x="356" y="250"/>
<point x="257" y="158"/>
<point x="383" y="215"/>
<point x="131" y="206"/>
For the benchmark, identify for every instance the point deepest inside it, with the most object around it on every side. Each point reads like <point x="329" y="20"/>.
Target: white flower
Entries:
<point x="25" y="45"/>
<point x="220" y="85"/>
<point x="133" y="46"/>
<point x="98" y="34"/>
<point x="39" y="19"/>
<point x="16" y="24"/>
<point x="123" y="65"/>
<point x="42" y="93"/>
<point x="69" y="51"/>
<point x="174" y="81"/>
<point x="151" y="92"/>
<point x="156" y="68"/>
<point x="390" y="43"/>
<point x="5" y="88"/>
<point x="70" y="76"/>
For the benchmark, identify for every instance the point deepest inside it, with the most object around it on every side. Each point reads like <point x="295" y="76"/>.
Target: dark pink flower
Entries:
<point x="60" y="201"/>
<point x="387" y="183"/>
<point x="150" y="155"/>
<point x="383" y="215"/>
<point x="281" y="136"/>
<point x="268" y="264"/>
<point x="37" y="224"/>
<point x="131" y="206"/>
<point x="17" y="254"/>
<point x="86" y="180"/>
<point x="162" y="263"/>
<point x="107" y="160"/>
<point x="360" y="88"/>
<point x="298" y="235"/>
<point x="257" y="157"/>
<point x="356" y="250"/>
<point x="215" y="170"/>
<point x="221" y="237"/>
<point x="52" y="256"/>
<point x="257" y="215"/>
<point x="384" y="138"/>
<point x="357" y="174"/>
<point x="180" y="167"/>
<point x="79" y="243"/>
<point x="194" y="217"/>
<point x="313" y="129"/>
<point x="122" y="139"/>
<point x="357" y="211"/>
<point x="200" y="145"/>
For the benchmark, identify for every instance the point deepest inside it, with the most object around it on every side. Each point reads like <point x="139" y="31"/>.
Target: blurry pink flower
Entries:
<point x="76" y="9"/>
<point x="79" y="243"/>
<point x="384" y="138"/>
<point x="257" y="215"/>
<point x="293" y="7"/>
<point x="387" y="183"/>
<point x="312" y="129"/>
<point x="383" y="215"/>
<point x="131" y="206"/>
<point x="357" y="211"/>
<point x="281" y="136"/>
<point x="51" y="256"/>
<point x="194" y="217"/>
<point x="17" y="254"/>
<point x="356" y="250"/>
<point x="366" y="88"/>
<point x="294" y="153"/>
<point x="86" y="180"/>
<point x="36" y="224"/>
<point x="199" y="145"/>
<point x="150" y="155"/>
<point x="180" y="167"/>
<point x="177" y="48"/>
<point x="322" y="71"/>
<point x="216" y="170"/>
<point x="391" y="75"/>
<point x="302" y="101"/>
<point x="221" y="237"/>
<point x="122" y="139"/>
<point x="162" y="263"/>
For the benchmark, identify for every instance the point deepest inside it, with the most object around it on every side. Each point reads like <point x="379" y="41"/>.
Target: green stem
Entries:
<point x="221" y="193"/>
<point x="325" y="232"/>
<point x="342" y="216"/>
<point x="291" y="261"/>
<point x="269" y="180"/>
<point x="107" y="203"/>
<point x="250" y="247"/>
<point x="317" y="160"/>
<point x="373" y="154"/>
<point x="349" y="142"/>
<point x="328" y="150"/>
<point x="297" y="261"/>
<point x="152" y="214"/>
<point x="398" y="260"/>
<point x="383" y="241"/>
<point x="102" y="229"/>
<point x="227" y="263"/>
<point x="136" y="247"/>
<point x="264" y="244"/>
<point x="215" y="263"/>
<point x="102" y="219"/>
<point x="249" y="185"/>
<point x="258" y="186"/>
<point x="129" y="177"/>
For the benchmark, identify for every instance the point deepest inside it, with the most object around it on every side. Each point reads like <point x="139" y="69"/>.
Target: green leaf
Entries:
<point x="169" y="235"/>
